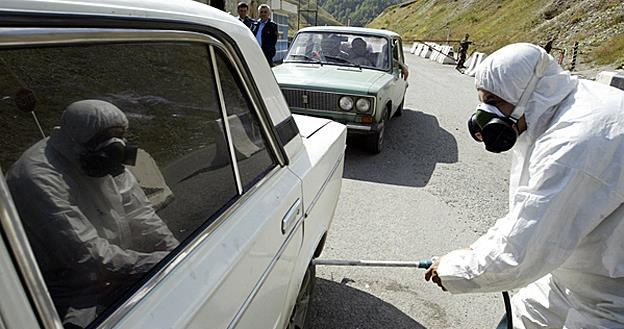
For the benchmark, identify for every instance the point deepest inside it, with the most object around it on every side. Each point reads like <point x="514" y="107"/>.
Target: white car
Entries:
<point x="246" y="189"/>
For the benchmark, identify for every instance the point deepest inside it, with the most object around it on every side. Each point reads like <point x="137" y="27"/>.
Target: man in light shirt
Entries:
<point x="266" y="32"/>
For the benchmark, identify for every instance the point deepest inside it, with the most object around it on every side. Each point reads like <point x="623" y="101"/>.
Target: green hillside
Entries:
<point x="307" y="18"/>
<point x="356" y="12"/>
<point x="598" y="25"/>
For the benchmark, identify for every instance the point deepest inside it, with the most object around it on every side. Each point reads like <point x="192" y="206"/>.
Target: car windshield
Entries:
<point x="340" y="49"/>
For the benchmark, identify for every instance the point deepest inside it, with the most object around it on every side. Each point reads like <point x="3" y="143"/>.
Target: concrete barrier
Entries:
<point x="419" y="48"/>
<point x="245" y="142"/>
<point x="436" y="52"/>
<point x="447" y="55"/>
<point x="611" y="78"/>
<point x="414" y="47"/>
<point x="151" y="180"/>
<point x="478" y="58"/>
<point x="426" y="52"/>
<point x="468" y="61"/>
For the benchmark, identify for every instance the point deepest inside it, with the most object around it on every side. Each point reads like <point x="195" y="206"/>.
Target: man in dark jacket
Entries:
<point x="266" y="32"/>
<point x="242" y="10"/>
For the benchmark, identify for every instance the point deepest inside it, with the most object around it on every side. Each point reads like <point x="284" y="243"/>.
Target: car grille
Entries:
<point x="311" y="99"/>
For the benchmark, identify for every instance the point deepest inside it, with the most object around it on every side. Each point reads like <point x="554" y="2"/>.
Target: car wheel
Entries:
<point x="299" y="316"/>
<point x="399" y="110"/>
<point x="376" y="140"/>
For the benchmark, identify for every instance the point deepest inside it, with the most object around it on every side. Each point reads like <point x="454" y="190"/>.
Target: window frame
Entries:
<point x="10" y="222"/>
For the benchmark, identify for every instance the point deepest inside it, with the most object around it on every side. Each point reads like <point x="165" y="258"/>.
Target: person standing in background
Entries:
<point x="242" y="10"/>
<point x="463" y="50"/>
<point x="266" y="32"/>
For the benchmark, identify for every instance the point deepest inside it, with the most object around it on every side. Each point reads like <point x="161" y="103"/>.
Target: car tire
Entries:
<point x="299" y="316"/>
<point x="376" y="140"/>
<point x="399" y="111"/>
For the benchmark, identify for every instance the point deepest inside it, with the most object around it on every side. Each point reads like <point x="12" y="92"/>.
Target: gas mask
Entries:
<point x="108" y="158"/>
<point x="493" y="128"/>
<point x="496" y="130"/>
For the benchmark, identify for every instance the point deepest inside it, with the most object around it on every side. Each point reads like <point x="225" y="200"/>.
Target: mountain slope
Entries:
<point x="598" y="25"/>
<point x="308" y="19"/>
<point x="356" y="12"/>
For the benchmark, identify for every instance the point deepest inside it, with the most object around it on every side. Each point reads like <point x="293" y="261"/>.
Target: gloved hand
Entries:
<point x="432" y="273"/>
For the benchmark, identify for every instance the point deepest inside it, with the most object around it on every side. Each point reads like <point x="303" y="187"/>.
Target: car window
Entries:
<point x="252" y="155"/>
<point x="97" y="228"/>
<point x="340" y="49"/>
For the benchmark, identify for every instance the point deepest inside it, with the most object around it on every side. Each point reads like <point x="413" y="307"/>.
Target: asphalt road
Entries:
<point x="432" y="189"/>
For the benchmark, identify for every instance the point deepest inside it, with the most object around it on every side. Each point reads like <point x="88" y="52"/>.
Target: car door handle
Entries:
<point x="289" y="220"/>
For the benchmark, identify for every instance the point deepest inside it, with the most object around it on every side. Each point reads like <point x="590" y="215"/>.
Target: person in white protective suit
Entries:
<point x="562" y="240"/>
<point x="90" y="225"/>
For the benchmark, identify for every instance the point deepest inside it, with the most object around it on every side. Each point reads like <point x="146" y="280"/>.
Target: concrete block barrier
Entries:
<point x="611" y="78"/>
<point x="438" y="53"/>
<point x="447" y="55"/>
<point x="478" y="58"/>
<point x="426" y="52"/>
<point x="414" y="47"/>
<point x="435" y="52"/>
<point x="419" y="49"/>
<point x="469" y="60"/>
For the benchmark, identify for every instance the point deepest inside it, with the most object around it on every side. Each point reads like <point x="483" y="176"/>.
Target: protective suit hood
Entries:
<point x="85" y="119"/>
<point x="81" y="121"/>
<point x="507" y="72"/>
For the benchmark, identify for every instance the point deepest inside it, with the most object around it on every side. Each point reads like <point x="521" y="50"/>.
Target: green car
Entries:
<point x="352" y="75"/>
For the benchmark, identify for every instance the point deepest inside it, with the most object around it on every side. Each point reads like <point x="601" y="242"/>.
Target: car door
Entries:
<point x="209" y="174"/>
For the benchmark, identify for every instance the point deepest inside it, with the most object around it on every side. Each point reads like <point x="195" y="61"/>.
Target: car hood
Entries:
<point x="333" y="78"/>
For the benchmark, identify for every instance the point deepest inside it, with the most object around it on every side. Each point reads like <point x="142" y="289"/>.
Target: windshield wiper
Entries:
<point x="342" y="60"/>
<point x="314" y="60"/>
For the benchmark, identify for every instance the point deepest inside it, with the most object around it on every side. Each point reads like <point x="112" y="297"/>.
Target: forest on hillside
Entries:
<point x="356" y="12"/>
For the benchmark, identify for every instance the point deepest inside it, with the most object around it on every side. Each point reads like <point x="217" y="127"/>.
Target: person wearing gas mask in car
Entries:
<point x="562" y="239"/>
<point x="91" y="227"/>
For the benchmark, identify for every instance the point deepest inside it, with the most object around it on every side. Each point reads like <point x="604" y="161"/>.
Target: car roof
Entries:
<point x="186" y="10"/>
<point x="350" y="29"/>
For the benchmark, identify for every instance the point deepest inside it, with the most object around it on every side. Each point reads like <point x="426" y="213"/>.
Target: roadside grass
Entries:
<point x="611" y="51"/>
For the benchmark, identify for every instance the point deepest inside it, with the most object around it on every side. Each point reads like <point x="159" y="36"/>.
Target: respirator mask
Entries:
<point x="498" y="131"/>
<point x="493" y="128"/>
<point x="108" y="158"/>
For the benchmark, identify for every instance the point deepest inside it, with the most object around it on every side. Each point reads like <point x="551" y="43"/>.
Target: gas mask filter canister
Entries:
<point x="493" y="128"/>
<point x="108" y="158"/>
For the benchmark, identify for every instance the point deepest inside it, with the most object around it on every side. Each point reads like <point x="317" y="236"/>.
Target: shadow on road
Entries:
<point x="336" y="305"/>
<point x="414" y="143"/>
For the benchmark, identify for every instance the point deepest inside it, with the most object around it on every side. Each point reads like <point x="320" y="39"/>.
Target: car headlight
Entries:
<point x="363" y="105"/>
<point x="346" y="103"/>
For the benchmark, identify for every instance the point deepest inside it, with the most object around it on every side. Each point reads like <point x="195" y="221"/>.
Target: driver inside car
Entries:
<point x="330" y="50"/>
<point x="359" y="52"/>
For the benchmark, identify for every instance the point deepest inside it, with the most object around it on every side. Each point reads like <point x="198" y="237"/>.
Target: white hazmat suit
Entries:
<point x="563" y="237"/>
<point x="92" y="236"/>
